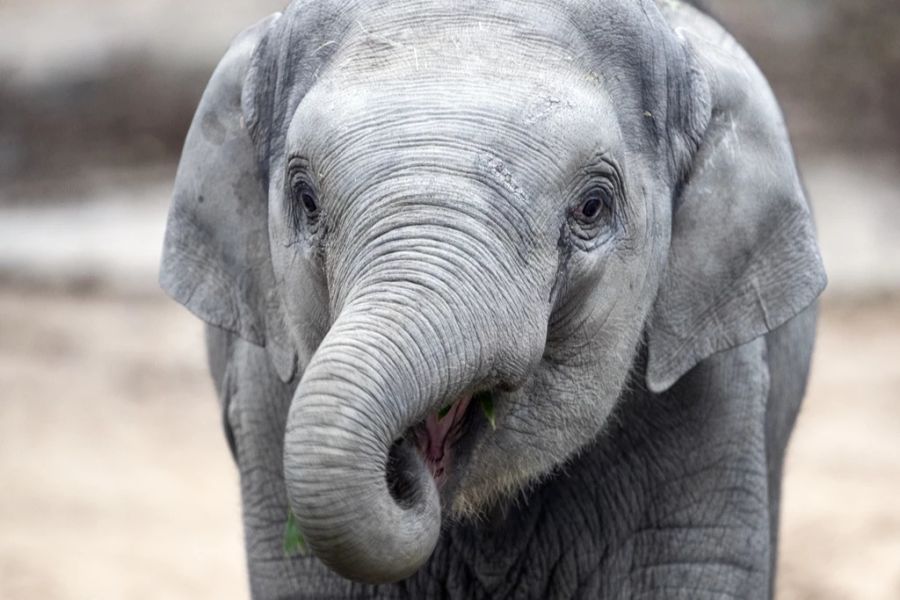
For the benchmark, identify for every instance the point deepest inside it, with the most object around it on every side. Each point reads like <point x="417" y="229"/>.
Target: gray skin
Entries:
<point x="589" y="208"/>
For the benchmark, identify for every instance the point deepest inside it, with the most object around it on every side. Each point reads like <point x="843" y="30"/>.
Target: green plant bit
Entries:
<point x="293" y="542"/>
<point x="486" y="401"/>
<point x="443" y="412"/>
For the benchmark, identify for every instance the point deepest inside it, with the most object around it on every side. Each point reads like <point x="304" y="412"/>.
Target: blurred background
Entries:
<point x="116" y="479"/>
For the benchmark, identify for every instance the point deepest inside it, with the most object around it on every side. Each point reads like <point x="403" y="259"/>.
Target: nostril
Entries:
<point x="403" y="474"/>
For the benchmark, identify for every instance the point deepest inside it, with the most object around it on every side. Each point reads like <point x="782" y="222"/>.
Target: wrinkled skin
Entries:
<point x="587" y="210"/>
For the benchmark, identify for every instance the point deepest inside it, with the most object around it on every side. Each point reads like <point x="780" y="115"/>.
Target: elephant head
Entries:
<point x="411" y="206"/>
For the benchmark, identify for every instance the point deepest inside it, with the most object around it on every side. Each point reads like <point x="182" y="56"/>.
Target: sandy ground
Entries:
<point x="117" y="482"/>
<point x="841" y="529"/>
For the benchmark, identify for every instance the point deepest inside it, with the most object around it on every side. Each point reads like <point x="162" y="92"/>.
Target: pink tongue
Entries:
<point x="438" y="428"/>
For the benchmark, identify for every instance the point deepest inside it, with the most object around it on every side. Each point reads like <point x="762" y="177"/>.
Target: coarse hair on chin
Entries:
<point x="481" y="502"/>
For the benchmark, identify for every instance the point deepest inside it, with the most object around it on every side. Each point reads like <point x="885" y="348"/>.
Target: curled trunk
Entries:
<point x="365" y="502"/>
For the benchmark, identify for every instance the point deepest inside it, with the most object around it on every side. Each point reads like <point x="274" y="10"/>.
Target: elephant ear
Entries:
<point x="743" y="257"/>
<point x="216" y="259"/>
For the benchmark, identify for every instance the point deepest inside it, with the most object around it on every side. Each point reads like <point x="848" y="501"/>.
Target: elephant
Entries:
<point x="503" y="298"/>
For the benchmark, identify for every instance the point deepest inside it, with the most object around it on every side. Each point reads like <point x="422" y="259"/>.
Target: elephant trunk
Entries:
<point x="364" y="500"/>
<point x="363" y="496"/>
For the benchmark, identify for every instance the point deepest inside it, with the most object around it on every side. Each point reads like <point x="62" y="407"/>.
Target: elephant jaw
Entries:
<point x="436" y="437"/>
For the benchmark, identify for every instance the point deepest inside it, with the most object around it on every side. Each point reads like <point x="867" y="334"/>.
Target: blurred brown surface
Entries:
<point x="117" y="481"/>
<point x="88" y="83"/>
<point x="834" y="65"/>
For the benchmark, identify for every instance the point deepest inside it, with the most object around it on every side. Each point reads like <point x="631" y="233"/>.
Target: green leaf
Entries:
<point x="486" y="401"/>
<point x="443" y="412"/>
<point x="293" y="542"/>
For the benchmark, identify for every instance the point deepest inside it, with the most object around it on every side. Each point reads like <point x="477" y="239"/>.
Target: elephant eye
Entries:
<point x="301" y="196"/>
<point x="305" y="196"/>
<point x="590" y="208"/>
<point x="595" y="205"/>
<point x="309" y="202"/>
<point x="594" y="218"/>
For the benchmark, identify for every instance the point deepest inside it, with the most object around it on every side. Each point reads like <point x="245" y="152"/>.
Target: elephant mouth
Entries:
<point x="441" y="442"/>
<point x="438" y="436"/>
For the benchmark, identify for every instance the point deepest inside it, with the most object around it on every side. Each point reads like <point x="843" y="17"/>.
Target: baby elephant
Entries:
<point x="505" y="298"/>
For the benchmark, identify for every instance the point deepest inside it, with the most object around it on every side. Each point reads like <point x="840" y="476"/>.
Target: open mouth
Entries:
<point x="437" y="436"/>
<point x="440" y="441"/>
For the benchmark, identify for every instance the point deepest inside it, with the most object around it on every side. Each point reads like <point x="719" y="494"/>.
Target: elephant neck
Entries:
<point x="535" y="541"/>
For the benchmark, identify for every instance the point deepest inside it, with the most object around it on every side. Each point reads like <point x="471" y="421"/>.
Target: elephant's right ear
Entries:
<point x="743" y="258"/>
<point x="216" y="259"/>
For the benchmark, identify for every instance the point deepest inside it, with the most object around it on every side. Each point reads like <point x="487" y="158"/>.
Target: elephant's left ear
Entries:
<point x="216" y="259"/>
<point x="743" y="257"/>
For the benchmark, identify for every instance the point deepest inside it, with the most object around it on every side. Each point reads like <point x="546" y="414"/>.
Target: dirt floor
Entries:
<point x="117" y="482"/>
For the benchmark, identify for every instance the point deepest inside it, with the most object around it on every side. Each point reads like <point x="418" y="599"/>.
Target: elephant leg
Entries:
<point x="257" y="404"/>
<point x="789" y="352"/>
<point x="219" y="346"/>
<point x="700" y="449"/>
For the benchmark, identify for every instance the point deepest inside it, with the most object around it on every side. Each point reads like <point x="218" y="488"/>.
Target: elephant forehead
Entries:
<point x="552" y="123"/>
<point x="421" y="82"/>
<point x="421" y="33"/>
